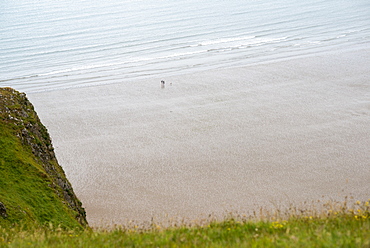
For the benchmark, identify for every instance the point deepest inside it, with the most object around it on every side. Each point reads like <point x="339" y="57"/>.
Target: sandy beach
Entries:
<point x="215" y="141"/>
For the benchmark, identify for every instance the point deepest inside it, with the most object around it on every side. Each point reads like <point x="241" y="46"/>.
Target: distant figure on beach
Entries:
<point x="162" y="84"/>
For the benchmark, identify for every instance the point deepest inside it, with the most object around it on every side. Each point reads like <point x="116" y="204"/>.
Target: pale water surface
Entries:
<point x="49" y="45"/>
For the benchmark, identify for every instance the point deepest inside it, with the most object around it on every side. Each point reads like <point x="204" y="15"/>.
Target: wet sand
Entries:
<point x="224" y="140"/>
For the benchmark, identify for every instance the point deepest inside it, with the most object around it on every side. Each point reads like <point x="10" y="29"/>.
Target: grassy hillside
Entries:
<point x="332" y="227"/>
<point x="33" y="187"/>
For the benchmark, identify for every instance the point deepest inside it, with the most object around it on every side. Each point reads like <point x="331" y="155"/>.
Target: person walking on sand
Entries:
<point x="162" y="84"/>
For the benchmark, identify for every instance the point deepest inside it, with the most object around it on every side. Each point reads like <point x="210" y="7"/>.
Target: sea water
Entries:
<point x="51" y="45"/>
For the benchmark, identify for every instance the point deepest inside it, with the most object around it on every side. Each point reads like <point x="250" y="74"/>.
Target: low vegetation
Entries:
<point x="336" y="225"/>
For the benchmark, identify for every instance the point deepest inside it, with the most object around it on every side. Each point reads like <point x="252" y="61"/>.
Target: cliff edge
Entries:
<point x="33" y="186"/>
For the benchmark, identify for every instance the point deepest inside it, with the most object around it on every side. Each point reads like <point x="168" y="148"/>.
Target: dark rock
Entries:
<point x="3" y="210"/>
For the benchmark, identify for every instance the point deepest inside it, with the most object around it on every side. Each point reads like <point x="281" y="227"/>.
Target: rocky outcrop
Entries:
<point x="18" y="112"/>
<point x="3" y="210"/>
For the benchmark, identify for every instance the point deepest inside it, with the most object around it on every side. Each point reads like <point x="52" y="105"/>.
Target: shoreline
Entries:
<point x="324" y="51"/>
<point x="233" y="139"/>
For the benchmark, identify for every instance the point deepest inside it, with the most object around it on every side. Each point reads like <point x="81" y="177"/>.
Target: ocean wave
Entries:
<point x="224" y="40"/>
<point x="111" y="40"/>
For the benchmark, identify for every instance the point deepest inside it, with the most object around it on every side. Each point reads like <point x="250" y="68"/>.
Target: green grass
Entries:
<point x="342" y="227"/>
<point x="25" y="188"/>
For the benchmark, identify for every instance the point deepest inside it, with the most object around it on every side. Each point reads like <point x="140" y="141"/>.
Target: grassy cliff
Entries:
<point x="34" y="190"/>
